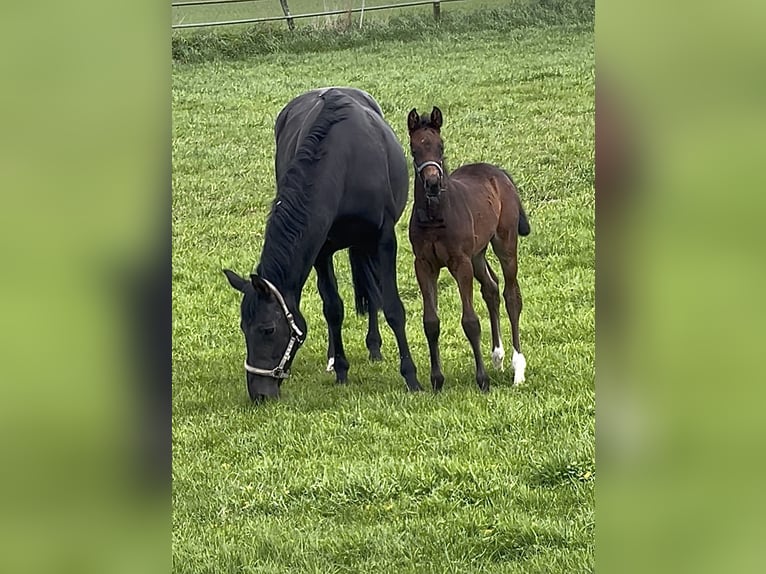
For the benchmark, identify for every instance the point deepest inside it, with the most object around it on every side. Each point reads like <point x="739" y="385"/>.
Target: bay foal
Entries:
<point x="455" y="217"/>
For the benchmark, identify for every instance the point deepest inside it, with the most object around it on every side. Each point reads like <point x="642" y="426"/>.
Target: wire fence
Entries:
<point x="290" y="18"/>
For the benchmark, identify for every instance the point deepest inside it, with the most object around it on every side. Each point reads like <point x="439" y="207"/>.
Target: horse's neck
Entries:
<point x="288" y="266"/>
<point x="289" y="275"/>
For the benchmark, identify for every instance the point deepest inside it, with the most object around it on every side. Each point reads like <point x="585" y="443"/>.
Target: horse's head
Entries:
<point x="272" y="334"/>
<point x="427" y="149"/>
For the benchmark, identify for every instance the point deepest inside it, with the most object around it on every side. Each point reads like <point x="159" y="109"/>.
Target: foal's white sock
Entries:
<point x="498" y="354"/>
<point x="519" y="365"/>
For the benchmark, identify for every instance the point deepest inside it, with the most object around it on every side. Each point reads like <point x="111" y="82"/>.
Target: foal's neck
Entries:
<point x="429" y="210"/>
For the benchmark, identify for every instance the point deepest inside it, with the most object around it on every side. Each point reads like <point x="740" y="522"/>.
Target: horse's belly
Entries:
<point x="346" y="232"/>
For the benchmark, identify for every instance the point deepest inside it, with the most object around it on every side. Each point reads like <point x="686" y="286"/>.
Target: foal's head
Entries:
<point x="427" y="149"/>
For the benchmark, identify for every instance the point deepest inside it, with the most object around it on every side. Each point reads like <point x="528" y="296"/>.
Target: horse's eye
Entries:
<point x="267" y="330"/>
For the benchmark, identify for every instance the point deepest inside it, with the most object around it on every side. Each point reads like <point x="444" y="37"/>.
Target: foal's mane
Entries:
<point x="292" y="208"/>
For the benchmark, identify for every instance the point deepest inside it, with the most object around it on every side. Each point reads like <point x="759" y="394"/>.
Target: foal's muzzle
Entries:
<point x="432" y="178"/>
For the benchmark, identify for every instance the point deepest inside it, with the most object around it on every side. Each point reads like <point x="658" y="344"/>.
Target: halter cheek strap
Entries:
<point x="425" y="164"/>
<point x="297" y="337"/>
<point x="438" y="166"/>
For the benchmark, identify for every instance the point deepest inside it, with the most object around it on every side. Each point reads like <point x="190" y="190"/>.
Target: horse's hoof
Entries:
<point x="437" y="382"/>
<point x="375" y="355"/>
<point x="414" y="387"/>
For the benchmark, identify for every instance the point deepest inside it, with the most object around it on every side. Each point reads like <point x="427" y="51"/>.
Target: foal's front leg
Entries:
<point x="427" y="276"/>
<point x="462" y="270"/>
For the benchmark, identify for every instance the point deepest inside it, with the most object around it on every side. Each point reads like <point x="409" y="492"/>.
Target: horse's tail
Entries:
<point x="366" y="278"/>
<point x="524" y="227"/>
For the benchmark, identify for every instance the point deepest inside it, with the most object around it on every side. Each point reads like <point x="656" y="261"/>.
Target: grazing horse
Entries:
<point x="341" y="183"/>
<point x="455" y="217"/>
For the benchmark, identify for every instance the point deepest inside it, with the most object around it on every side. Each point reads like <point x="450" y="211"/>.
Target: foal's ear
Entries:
<point x="413" y="120"/>
<point x="260" y="285"/>
<point x="235" y="280"/>
<point x="436" y="118"/>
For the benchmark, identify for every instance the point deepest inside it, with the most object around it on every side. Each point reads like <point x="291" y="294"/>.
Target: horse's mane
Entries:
<point x="293" y="208"/>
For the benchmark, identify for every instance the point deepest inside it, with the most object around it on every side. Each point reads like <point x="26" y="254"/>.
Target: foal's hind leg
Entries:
<point x="505" y="246"/>
<point x="491" y="294"/>
<point x="462" y="270"/>
<point x="333" y="312"/>
<point x="393" y="308"/>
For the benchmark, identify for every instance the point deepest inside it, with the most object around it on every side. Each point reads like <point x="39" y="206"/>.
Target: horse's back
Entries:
<point x="361" y="149"/>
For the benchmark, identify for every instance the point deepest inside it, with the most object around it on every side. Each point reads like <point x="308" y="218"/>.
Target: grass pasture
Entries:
<point x="365" y="477"/>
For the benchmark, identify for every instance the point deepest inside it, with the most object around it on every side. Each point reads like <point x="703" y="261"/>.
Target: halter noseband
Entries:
<point x="296" y="340"/>
<point x="437" y="165"/>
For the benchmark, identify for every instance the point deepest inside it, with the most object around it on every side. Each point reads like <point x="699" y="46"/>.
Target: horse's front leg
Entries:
<point x="462" y="270"/>
<point x="427" y="275"/>
<point x="334" y="313"/>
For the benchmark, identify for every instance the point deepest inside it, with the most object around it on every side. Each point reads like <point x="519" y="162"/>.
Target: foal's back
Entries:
<point x="490" y="197"/>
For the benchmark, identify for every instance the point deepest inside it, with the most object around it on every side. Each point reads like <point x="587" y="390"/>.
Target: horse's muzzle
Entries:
<point x="260" y="387"/>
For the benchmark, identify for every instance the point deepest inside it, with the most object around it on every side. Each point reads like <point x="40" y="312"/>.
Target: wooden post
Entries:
<point x="286" y="10"/>
<point x="437" y="10"/>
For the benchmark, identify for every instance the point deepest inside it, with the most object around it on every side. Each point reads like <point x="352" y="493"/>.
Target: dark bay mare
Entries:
<point x="455" y="217"/>
<point x="341" y="183"/>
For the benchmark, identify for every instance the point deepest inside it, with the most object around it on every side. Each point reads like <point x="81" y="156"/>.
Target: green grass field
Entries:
<point x="366" y="477"/>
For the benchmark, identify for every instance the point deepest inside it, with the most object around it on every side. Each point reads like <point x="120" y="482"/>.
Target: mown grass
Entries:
<point x="365" y="477"/>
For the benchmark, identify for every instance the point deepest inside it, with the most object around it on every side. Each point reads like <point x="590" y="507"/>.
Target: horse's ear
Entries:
<point x="235" y="280"/>
<point x="436" y="118"/>
<point x="413" y="120"/>
<point x="260" y="285"/>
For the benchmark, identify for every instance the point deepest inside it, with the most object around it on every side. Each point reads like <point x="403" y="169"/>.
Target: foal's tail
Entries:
<point x="366" y="278"/>
<point x="524" y="228"/>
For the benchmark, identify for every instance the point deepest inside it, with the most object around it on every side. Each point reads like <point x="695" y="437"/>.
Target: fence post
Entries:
<point x="437" y="10"/>
<point x="286" y="10"/>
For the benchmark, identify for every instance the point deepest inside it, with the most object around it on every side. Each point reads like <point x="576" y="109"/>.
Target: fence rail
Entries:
<point x="290" y="17"/>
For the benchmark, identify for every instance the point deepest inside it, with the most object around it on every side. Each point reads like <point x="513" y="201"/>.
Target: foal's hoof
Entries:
<point x="375" y="355"/>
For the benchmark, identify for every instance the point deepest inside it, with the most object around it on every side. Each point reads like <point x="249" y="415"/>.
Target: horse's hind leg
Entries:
<point x="373" y="340"/>
<point x="491" y="294"/>
<point x="393" y="308"/>
<point x="462" y="270"/>
<point x="333" y="312"/>
<point x="505" y="246"/>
